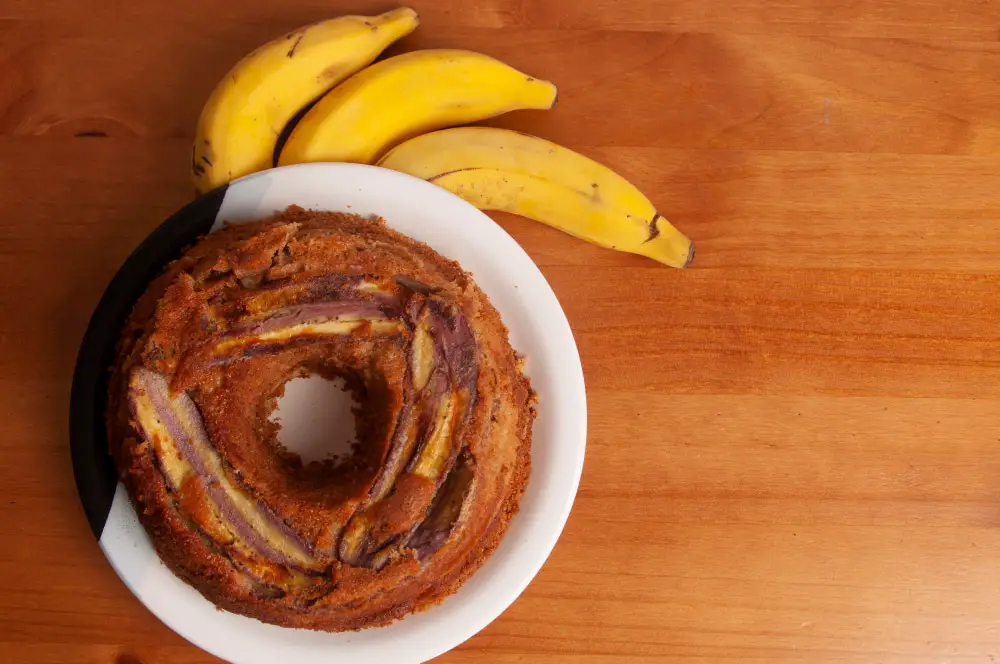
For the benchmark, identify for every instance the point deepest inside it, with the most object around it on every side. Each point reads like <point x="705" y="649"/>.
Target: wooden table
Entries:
<point x="794" y="450"/>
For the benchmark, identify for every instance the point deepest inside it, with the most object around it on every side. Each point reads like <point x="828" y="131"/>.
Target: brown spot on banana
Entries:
<point x="434" y="178"/>
<point x="196" y="167"/>
<point x="298" y="40"/>
<point x="654" y="230"/>
<point x="331" y="73"/>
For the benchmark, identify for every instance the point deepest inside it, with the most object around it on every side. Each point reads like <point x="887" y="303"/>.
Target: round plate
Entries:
<point x="538" y="330"/>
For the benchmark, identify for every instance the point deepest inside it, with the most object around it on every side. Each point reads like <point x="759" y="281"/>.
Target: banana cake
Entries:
<point x="443" y="421"/>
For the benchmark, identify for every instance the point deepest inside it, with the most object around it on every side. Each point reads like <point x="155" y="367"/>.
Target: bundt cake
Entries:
<point x="443" y="421"/>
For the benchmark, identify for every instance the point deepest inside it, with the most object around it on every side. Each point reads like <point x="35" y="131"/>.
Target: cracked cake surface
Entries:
<point x="443" y="421"/>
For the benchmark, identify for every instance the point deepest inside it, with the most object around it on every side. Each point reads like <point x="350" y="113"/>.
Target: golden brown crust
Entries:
<point x="428" y="530"/>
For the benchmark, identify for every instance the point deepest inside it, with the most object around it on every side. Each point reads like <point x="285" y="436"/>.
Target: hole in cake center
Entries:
<point x="317" y="419"/>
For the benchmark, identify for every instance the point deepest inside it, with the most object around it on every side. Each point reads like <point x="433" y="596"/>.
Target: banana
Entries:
<point x="408" y="95"/>
<point x="240" y="124"/>
<point x="498" y="169"/>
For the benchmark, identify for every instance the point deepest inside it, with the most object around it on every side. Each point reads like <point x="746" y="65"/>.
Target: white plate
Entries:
<point x="538" y="329"/>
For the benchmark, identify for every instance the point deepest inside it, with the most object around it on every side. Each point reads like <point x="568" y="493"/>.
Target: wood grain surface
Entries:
<point x="794" y="450"/>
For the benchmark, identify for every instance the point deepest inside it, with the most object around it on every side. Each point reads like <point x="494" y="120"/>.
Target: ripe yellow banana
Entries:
<point x="498" y="169"/>
<point x="250" y="107"/>
<point x="408" y="95"/>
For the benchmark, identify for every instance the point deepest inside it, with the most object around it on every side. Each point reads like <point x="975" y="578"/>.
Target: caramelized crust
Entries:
<point x="444" y="424"/>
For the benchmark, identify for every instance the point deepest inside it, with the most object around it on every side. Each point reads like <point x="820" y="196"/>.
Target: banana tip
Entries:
<point x="409" y="12"/>
<point x="690" y="256"/>
<point x="554" y="92"/>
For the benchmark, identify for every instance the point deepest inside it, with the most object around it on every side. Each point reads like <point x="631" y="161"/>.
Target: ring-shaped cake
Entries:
<point x="443" y="421"/>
